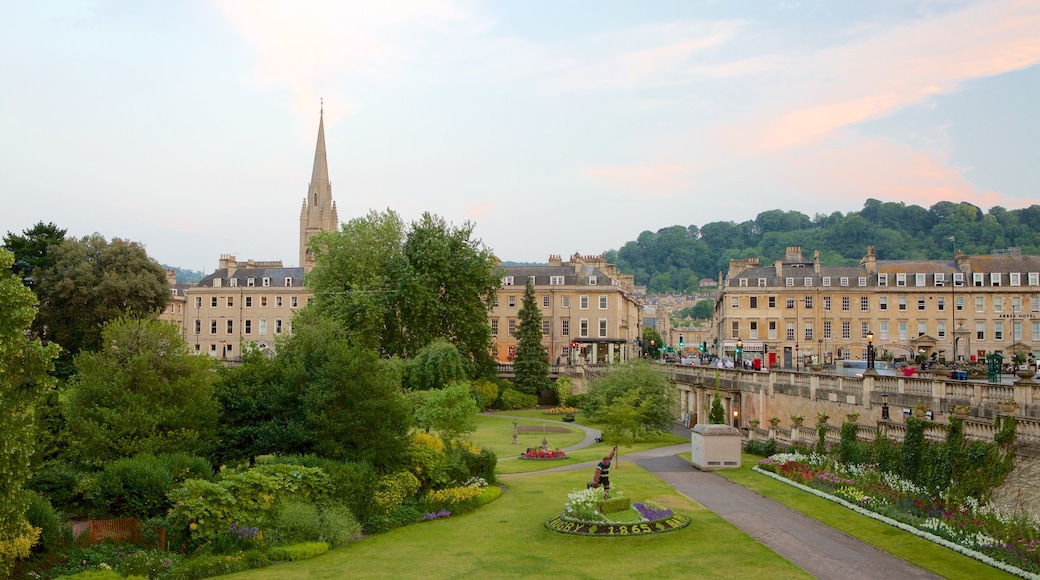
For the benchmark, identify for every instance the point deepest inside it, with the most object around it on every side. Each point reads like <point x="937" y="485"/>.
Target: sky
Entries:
<point x="553" y="127"/>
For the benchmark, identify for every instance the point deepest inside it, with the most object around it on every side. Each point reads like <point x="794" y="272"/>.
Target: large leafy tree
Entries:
<point x="350" y="399"/>
<point x="259" y="414"/>
<point x="32" y="250"/>
<point x="143" y="392"/>
<point x="92" y="281"/>
<point x="435" y="366"/>
<point x="24" y="364"/>
<point x="402" y="288"/>
<point x="452" y="411"/>
<point x="648" y="386"/>
<point x="531" y="364"/>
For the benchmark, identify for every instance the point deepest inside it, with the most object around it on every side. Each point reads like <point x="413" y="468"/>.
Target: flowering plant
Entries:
<point x="535" y="453"/>
<point x="435" y="515"/>
<point x="1010" y="403"/>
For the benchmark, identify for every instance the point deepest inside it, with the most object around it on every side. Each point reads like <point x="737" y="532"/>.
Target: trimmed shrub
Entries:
<point x="486" y="393"/>
<point x="513" y="399"/>
<point x="134" y="487"/>
<point x="614" y="504"/>
<point x="298" y="551"/>
<point x="761" y="448"/>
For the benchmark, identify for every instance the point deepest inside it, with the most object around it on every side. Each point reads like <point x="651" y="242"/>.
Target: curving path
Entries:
<point x="818" y="549"/>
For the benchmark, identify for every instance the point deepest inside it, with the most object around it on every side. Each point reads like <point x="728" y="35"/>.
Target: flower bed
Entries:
<point x="561" y="411"/>
<point x="587" y="515"/>
<point x="543" y="455"/>
<point x="1006" y="541"/>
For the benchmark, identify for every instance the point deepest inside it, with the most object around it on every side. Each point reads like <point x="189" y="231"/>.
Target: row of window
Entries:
<point x="553" y="280"/>
<point x="250" y="282"/>
<point x="248" y="301"/>
<point x="565" y="327"/>
<point x="995" y="279"/>
<point x="565" y="301"/>
<point x="1001" y="330"/>
<point x="247" y="326"/>
<point x="998" y="303"/>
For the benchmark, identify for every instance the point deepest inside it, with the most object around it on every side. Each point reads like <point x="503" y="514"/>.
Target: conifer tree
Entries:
<point x="531" y="364"/>
<point x="717" y="415"/>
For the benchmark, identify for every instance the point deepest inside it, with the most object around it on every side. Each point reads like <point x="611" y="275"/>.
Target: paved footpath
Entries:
<point x="817" y="548"/>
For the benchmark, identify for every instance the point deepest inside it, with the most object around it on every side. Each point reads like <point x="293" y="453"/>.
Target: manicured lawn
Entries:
<point x="507" y="539"/>
<point x="928" y="555"/>
<point x="496" y="433"/>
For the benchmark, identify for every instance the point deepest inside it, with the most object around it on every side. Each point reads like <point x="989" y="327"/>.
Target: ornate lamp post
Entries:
<point x="884" y="405"/>
<point x="870" y="351"/>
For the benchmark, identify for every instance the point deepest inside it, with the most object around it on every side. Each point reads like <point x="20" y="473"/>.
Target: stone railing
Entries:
<point x="779" y="390"/>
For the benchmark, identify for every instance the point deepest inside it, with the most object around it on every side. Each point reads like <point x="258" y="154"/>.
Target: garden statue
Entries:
<point x="602" y="475"/>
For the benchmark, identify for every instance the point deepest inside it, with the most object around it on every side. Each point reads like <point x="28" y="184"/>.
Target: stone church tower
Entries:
<point x="319" y="211"/>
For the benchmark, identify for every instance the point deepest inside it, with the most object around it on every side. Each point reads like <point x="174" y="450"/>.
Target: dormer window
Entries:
<point x="233" y="282"/>
<point x="507" y="280"/>
<point x="267" y="281"/>
<point x="250" y="282"/>
<point x="592" y="280"/>
<point x="288" y="281"/>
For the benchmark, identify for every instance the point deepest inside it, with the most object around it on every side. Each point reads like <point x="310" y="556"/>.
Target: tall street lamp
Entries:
<point x="223" y="349"/>
<point x="870" y="349"/>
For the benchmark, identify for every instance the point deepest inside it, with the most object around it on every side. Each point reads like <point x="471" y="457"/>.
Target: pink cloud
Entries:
<point x="879" y="75"/>
<point x="857" y="169"/>
<point x="657" y="179"/>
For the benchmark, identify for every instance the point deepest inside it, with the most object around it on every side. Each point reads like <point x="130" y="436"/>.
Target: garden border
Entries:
<point x="904" y="526"/>
<point x="578" y="528"/>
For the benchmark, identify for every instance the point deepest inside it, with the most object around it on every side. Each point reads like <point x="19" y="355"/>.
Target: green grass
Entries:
<point x="928" y="555"/>
<point x="496" y="434"/>
<point x="507" y="539"/>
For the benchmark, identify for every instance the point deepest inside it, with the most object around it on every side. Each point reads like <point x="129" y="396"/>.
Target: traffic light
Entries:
<point x="680" y="341"/>
<point x="704" y="346"/>
<point x="574" y="344"/>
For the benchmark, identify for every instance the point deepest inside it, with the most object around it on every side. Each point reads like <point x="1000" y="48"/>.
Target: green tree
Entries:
<point x="531" y="364"/>
<point x="143" y="392"/>
<point x="259" y="413"/>
<point x="703" y="310"/>
<point x="653" y="390"/>
<point x="623" y="419"/>
<point x="717" y="414"/>
<point x="451" y="411"/>
<point x="403" y="288"/>
<point x="92" y="281"/>
<point x="32" y="250"/>
<point x="652" y="342"/>
<point x="24" y="364"/>
<point x="435" y="366"/>
<point x="350" y="398"/>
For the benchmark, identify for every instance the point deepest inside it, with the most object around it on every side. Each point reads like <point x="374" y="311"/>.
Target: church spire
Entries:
<point x="320" y="173"/>
<point x="319" y="211"/>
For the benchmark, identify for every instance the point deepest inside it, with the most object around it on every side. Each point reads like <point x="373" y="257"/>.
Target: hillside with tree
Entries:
<point x="676" y="258"/>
